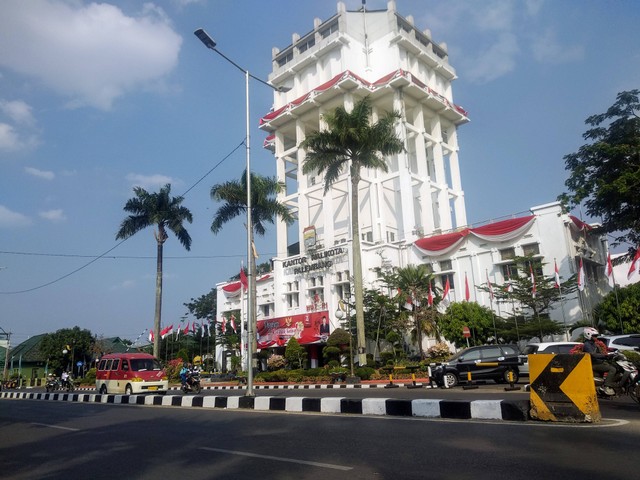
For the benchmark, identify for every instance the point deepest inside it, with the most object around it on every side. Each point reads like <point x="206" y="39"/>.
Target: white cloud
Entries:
<point x="148" y="181"/>
<point x="10" y="219"/>
<point x="547" y="49"/>
<point x="91" y="53"/>
<point x="16" y="126"/>
<point x="18" y="111"/>
<point x="56" y="215"/>
<point x="126" y="284"/>
<point x="495" y="61"/>
<point x="44" y="174"/>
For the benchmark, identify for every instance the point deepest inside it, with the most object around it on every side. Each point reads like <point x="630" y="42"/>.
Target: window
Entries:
<point x="443" y="279"/>
<point x="285" y="58"/>
<point x="306" y="44"/>
<point x="115" y="365"/>
<point x="508" y="253"/>
<point x="509" y="271"/>
<point x="125" y="365"/>
<point x="103" y="365"/>
<point x="531" y="249"/>
<point x="367" y="237"/>
<point x="391" y="237"/>
<point x="329" y="29"/>
<point x="292" y="300"/>
<point x="445" y="265"/>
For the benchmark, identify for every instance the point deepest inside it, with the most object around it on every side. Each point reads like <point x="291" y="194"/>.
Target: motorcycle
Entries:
<point x="52" y="385"/>
<point x="627" y="380"/>
<point x="193" y="383"/>
<point x="68" y="385"/>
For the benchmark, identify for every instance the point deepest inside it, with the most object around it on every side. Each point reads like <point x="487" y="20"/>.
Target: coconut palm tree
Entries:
<point x="352" y="142"/>
<point x="164" y="212"/>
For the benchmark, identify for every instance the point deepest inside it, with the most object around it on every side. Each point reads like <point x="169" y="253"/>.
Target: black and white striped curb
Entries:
<point x="517" y="410"/>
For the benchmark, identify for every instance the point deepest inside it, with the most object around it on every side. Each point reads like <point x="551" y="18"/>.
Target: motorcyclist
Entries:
<point x="598" y="363"/>
<point x="183" y="373"/>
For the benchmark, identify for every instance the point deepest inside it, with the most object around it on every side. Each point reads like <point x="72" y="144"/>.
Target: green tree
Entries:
<point x="352" y="142"/>
<point x="619" y="310"/>
<point x="381" y="316"/>
<point x="295" y="353"/>
<point x="76" y="342"/>
<point x="163" y="212"/>
<point x="605" y="173"/>
<point x="479" y="319"/>
<point x="204" y="307"/>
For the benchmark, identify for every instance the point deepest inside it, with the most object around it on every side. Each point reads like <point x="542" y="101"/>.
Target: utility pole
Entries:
<point x="6" y="355"/>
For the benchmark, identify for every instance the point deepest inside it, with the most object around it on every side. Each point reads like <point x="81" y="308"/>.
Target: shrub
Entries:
<point x="365" y="373"/>
<point x="439" y="352"/>
<point x="89" y="378"/>
<point x="295" y="353"/>
<point x="276" y="362"/>
<point x="172" y="368"/>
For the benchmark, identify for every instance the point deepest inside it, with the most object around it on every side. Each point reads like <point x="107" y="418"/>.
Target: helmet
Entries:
<point x="590" y="332"/>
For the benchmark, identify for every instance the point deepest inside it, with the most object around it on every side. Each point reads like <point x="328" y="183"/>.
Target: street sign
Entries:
<point x="466" y="332"/>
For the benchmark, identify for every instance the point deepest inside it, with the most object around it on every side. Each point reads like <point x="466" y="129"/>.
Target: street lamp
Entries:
<point x="208" y="42"/>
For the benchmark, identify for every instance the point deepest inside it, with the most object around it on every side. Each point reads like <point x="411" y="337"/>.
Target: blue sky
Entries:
<point x="98" y="97"/>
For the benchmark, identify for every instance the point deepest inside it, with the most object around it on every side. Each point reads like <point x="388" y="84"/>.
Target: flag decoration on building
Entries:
<point x="508" y="287"/>
<point x="430" y="296"/>
<point x="490" y="287"/>
<point x="445" y="294"/>
<point x="233" y="322"/>
<point x="533" y="281"/>
<point x="609" y="272"/>
<point x="223" y="325"/>
<point x="581" y="276"/>
<point x="467" y="293"/>
<point x="557" y="274"/>
<point x="633" y="267"/>
<point x="151" y="336"/>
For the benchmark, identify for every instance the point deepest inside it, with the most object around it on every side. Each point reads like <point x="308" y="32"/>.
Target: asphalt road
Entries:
<point x="51" y="440"/>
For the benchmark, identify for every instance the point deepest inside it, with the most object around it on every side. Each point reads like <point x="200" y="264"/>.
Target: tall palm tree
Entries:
<point x="352" y="142"/>
<point x="264" y="208"/>
<point x="164" y="212"/>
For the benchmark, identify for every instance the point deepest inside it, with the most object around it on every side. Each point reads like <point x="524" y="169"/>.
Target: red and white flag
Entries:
<point x="446" y="300"/>
<point x="581" y="276"/>
<point x="609" y="272"/>
<point x="223" y="325"/>
<point x="151" y="336"/>
<point x="490" y="287"/>
<point x="633" y="267"/>
<point x="467" y="294"/>
<point x="243" y="279"/>
<point x="557" y="274"/>
<point x="508" y="286"/>
<point x="533" y="281"/>
<point x="233" y="322"/>
<point x="430" y="296"/>
<point x="186" y="329"/>
<point x="166" y="331"/>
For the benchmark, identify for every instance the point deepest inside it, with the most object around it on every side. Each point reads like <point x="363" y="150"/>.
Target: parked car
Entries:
<point x="457" y="368"/>
<point x="543" y="347"/>
<point x="622" y="342"/>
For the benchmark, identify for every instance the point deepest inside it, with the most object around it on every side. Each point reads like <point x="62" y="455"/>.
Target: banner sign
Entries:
<point x="307" y="328"/>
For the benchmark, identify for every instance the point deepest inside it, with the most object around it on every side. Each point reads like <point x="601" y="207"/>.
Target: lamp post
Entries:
<point x="208" y="42"/>
<point x="340" y="313"/>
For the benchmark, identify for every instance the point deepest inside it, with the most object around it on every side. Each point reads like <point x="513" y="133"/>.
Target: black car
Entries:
<point x="457" y="368"/>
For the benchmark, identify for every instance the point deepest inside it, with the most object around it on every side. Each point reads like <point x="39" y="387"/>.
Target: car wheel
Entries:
<point x="505" y="376"/>
<point x="451" y="379"/>
<point x="128" y="390"/>
<point x="103" y="389"/>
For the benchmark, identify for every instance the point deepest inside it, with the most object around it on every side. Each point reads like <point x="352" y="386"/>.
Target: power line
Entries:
<point x="103" y="255"/>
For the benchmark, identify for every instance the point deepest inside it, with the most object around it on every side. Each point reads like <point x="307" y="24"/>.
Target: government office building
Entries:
<point x="414" y="213"/>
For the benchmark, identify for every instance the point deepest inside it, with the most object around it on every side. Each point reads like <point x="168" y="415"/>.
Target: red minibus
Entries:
<point x="130" y="373"/>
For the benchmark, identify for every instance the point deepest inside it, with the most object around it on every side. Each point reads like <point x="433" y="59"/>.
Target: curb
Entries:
<point x="512" y="410"/>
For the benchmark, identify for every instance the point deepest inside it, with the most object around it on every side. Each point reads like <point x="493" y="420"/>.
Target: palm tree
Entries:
<point x="264" y="207"/>
<point x="166" y="213"/>
<point x="350" y="141"/>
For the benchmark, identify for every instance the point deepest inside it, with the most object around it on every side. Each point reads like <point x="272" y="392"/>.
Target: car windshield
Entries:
<point x="143" y="364"/>
<point x="530" y="349"/>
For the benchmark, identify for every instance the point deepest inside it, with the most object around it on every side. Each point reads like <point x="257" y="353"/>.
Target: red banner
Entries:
<point x="307" y="328"/>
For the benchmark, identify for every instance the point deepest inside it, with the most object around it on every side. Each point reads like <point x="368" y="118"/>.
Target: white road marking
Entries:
<point x="56" y="426"/>
<point x="280" y="459"/>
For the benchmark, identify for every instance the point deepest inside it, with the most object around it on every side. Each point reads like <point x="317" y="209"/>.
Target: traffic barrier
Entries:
<point x="470" y="383"/>
<point x="510" y="374"/>
<point x="562" y="388"/>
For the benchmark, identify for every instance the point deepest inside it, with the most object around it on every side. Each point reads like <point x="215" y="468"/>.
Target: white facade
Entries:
<point x="382" y="55"/>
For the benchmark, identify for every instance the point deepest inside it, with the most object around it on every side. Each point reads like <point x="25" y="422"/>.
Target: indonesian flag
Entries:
<point x="467" y="294"/>
<point x="166" y="331"/>
<point x="508" y="287"/>
<point x="233" y="322"/>
<point x="609" y="272"/>
<point x="243" y="279"/>
<point x="186" y="329"/>
<point x="445" y="295"/>
<point x="557" y="274"/>
<point x="533" y="281"/>
<point x="581" y="276"/>
<point x="490" y="287"/>
<point x="223" y="326"/>
<point x="430" y="296"/>
<point x="151" y="336"/>
<point x="632" y="268"/>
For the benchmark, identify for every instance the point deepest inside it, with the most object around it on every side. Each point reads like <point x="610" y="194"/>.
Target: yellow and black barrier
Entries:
<point x="412" y="369"/>
<point x="511" y="378"/>
<point x="562" y="388"/>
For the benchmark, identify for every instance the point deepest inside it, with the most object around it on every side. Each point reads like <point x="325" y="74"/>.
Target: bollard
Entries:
<point x="413" y="382"/>
<point x="512" y="382"/>
<point x="470" y="385"/>
<point x="391" y="384"/>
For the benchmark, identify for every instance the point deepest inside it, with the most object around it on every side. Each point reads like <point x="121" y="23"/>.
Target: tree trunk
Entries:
<point x="156" y="322"/>
<point x="357" y="267"/>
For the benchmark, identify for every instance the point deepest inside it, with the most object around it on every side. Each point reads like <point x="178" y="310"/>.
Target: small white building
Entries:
<point x="404" y="212"/>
